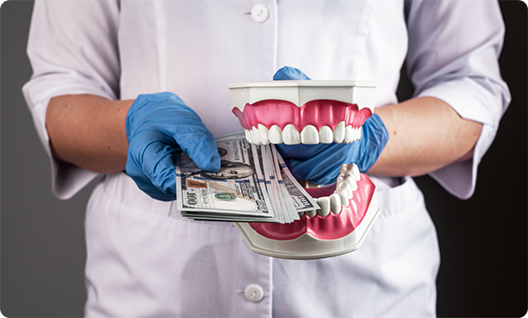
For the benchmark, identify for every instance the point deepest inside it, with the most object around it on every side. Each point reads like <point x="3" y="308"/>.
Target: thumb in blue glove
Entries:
<point x="157" y="126"/>
<point x="321" y="163"/>
<point x="289" y="73"/>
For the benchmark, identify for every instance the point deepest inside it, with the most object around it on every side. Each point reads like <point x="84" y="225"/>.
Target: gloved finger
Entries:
<point x="375" y="137"/>
<point x="302" y="152"/>
<point x="324" y="166"/>
<point x="318" y="171"/>
<point x="144" y="153"/>
<point x="198" y="142"/>
<point x="289" y="73"/>
<point x="158" y="165"/>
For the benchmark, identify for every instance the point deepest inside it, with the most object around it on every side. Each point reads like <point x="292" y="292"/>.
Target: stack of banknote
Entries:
<point x="253" y="185"/>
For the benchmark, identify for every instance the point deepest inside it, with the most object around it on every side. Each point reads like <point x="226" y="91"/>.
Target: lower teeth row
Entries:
<point x="346" y="185"/>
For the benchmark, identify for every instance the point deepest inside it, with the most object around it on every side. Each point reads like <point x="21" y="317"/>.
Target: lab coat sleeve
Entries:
<point x="454" y="48"/>
<point x="72" y="48"/>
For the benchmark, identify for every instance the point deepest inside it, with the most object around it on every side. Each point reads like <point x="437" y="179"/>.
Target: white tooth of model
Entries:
<point x="352" y="183"/>
<point x="324" y="203"/>
<point x="275" y="135"/>
<point x="340" y="180"/>
<point x="345" y="168"/>
<point x="348" y="134"/>
<point x="335" y="203"/>
<point x="359" y="132"/>
<point x="343" y="198"/>
<point x="311" y="213"/>
<point x="309" y="135"/>
<point x="290" y="135"/>
<point x="342" y="188"/>
<point x="248" y="136"/>
<point x="255" y="137"/>
<point x="355" y="172"/>
<point x="339" y="132"/>
<point x="326" y="135"/>
<point x="301" y="214"/>
<point x="264" y="134"/>
<point x="348" y="175"/>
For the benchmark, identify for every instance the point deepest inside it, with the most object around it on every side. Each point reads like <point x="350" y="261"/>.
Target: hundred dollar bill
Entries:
<point x="234" y="190"/>
<point x="289" y="213"/>
<point x="302" y="200"/>
<point x="284" y="191"/>
<point x="277" y="194"/>
<point x="263" y="174"/>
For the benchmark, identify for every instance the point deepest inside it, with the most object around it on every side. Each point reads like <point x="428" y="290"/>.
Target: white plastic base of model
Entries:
<point x="301" y="92"/>
<point x="308" y="247"/>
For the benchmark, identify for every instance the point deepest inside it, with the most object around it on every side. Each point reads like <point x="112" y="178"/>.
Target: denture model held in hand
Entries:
<point x="311" y="112"/>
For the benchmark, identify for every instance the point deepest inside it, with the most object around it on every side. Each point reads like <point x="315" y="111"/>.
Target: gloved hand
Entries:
<point x="157" y="126"/>
<point x="321" y="163"/>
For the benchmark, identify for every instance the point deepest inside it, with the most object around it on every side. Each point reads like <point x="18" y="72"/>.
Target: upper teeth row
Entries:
<point x="346" y="185"/>
<point x="309" y="135"/>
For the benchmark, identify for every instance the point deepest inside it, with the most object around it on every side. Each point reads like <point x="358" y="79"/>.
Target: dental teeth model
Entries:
<point x="311" y="112"/>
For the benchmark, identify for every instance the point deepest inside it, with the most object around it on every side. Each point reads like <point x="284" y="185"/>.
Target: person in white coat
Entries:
<point x="92" y="59"/>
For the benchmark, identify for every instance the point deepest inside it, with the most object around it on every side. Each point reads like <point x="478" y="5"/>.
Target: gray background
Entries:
<point x="483" y="240"/>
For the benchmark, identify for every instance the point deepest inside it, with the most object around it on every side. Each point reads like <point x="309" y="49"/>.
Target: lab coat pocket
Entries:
<point x="403" y="223"/>
<point x="145" y="260"/>
<point x="403" y="251"/>
<point x="403" y="198"/>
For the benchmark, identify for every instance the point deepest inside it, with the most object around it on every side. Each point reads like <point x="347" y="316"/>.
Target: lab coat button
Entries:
<point x="254" y="293"/>
<point x="260" y="13"/>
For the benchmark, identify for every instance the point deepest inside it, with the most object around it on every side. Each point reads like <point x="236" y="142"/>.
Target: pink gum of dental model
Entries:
<point x="317" y="113"/>
<point x="330" y="227"/>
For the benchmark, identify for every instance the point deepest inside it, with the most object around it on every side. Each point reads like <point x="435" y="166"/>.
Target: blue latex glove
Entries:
<point x="289" y="73"/>
<point x="321" y="163"/>
<point x="157" y="126"/>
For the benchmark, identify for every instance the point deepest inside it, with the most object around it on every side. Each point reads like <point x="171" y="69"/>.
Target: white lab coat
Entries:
<point x="144" y="259"/>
